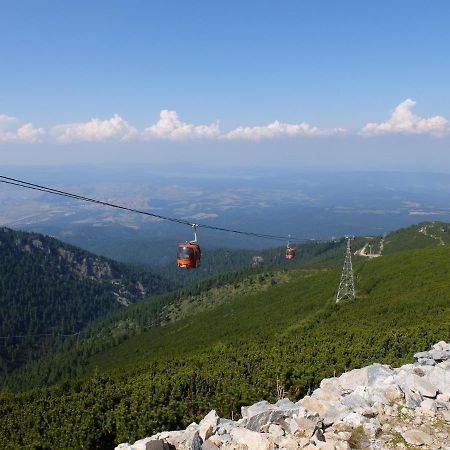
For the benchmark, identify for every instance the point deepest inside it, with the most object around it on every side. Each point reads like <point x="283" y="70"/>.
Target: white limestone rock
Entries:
<point x="253" y="410"/>
<point x="367" y="376"/>
<point x="421" y="385"/>
<point x="207" y="425"/>
<point x="251" y="439"/>
<point x="417" y="437"/>
<point x="330" y="411"/>
<point x="275" y="430"/>
<point x="381" y="400"/>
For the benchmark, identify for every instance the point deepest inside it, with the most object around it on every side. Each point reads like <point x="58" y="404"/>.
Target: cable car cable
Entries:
<point x="20" y="336"/>
<point x="41" y="188"/>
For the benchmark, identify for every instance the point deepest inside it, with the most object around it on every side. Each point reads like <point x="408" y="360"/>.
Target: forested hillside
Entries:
<point x="223" y="347"/>
<point x="159" y="310"/>
<point x="47" y="287"/>
<point x="217" y="261"/>
<point x="425" y="234"/>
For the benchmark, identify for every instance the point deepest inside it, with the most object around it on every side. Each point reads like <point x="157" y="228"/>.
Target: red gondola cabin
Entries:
<point x="290" y="252"/>
<point x="188" y="255"/>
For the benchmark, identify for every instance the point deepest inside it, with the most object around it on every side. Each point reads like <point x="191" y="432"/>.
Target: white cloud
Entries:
<point x="279" y="129"/>
<point x="29" y="133"/>
<point x="169" y="126"/>
<point x="95" y="130"/>
<point x="4" y="119"/>
<point x="25" y="133"/>
<point x="404" y="121"/>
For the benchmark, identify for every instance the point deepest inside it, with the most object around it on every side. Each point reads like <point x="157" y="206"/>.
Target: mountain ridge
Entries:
<point x="52" y="288"/>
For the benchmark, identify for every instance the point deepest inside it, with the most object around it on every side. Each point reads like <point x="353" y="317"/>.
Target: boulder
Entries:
<point x="216" y="440"/>
<point x="332" y="385"/>
<point x="197" y="442"/>
<point x="426" y="361"/>
<point x="440" y="378"/>
<point x="412" y="399"/>
<point x="148" y="444"/>
<point x="275" y="430"/>
<point x="441" y="345"/>
<point x="422" y="355"/>
<point x="304" y="426"/>
<point x="225" y="438"/>
<point x="328" y="410"/>
<point x="428" y="403"/>
<point x="255" y="422"/>
<point x="208" y="445"/>
<point x="367" y="376"/>
<point x="394" y="394"/>
<point x="249" y="438"/>
<point x="355" y="419"/>
<point x="179" y="439"/>
<point x="439" y="355"/>
<point x="417" y="437"/>
<point x="285" y="403"/>
<point x="284" y="424"/>
<point x="225" y="426"/>
<point x="443" y="398"/>
<point x="325" y="394"/>
<point x="421" y="385"/>
<point x="325" y="446"/>
<point x="288" y="443"/>
<point x="207" y="425"/>
<point x="354" y="401"/>
<point x="342" y="445"/>
<point x="372" y="429"/>
<point x="160" y="445"/>
<point x="253" y="410"/>
<point x="341" y="427"/>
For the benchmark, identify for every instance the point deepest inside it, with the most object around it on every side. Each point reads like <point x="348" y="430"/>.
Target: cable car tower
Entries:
<point x="347" y="285"/>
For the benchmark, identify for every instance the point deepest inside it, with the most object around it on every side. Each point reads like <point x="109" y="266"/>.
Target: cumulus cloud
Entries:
<point x="4" y="119"/>
<point x="114" y="129"/>
<point x="169" y="126"/>
<point x="404" y="121"/>
<point x="279" y="129"/>
<point x="24" y="133"/>
<point x="29" y="133"/>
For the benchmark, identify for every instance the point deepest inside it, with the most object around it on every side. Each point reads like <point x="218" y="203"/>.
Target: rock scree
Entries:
<point x="377" y="407"/>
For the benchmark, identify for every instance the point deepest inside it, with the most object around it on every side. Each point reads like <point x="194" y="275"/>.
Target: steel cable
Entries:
<point x="46" y="189"/>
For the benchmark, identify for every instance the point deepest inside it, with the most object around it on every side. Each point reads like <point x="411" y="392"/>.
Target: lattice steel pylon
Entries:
<point x="347" y="285"/>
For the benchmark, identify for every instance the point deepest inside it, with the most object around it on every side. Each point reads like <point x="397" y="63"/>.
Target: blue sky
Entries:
<point x="334" y="66"/>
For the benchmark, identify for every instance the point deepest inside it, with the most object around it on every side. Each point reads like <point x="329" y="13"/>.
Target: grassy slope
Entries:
<point x="425" y="234"/>
<point x="405" y="291"/>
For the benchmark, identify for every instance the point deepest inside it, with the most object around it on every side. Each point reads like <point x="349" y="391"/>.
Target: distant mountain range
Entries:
<point x="315" y="205"/>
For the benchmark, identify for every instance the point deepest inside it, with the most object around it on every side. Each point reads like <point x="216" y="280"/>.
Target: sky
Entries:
<point x="309" y="84"/>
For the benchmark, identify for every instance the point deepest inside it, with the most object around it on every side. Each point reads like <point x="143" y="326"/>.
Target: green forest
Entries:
<point x="48" y="287"/>
<point x="222" y="342"/>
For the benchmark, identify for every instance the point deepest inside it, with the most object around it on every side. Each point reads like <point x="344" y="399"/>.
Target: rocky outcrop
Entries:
<point x="377" y="407"/>
<point x="64" y="259"/>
